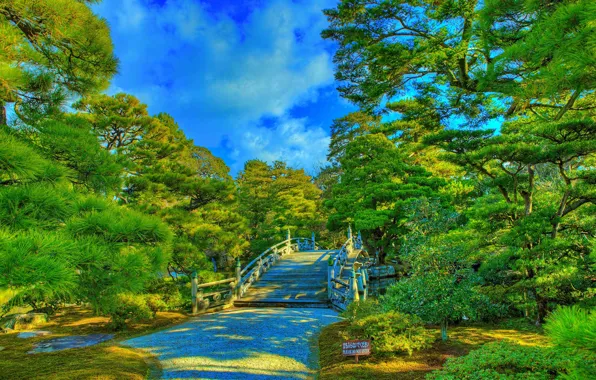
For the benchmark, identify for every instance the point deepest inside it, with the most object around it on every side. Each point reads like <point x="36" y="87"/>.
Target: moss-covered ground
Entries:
<point x="108" y="360"/>
<point x="461" y="340"/>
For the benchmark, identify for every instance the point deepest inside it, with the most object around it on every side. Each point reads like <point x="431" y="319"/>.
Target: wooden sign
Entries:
<point x="356" y="348"/>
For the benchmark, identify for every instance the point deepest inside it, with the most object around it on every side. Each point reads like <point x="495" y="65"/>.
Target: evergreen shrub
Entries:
<point x="155" y="303"/>
<point x="124" y="308"/>
<point x="392" y="332"/>
<point x="362" y="309"/>
<point x="504" y="361"/>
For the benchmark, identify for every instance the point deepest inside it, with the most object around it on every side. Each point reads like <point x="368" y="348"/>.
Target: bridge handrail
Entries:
<point x="340" y="292"/>
<point x="262" y="255"/>
<point x="302" y="243"/>
<point x="261" y="264"/>
<point x="246" y="276"/>
<point x="214" y="283"/>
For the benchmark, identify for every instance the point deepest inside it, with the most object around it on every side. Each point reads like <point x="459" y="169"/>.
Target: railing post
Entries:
<point x="354" y="287"/>
<point x="314" y="246"/>
<point x="194" y="284"/>
<point x="232" y="291"/>
<point x="330" y="276"/>
<point x="200" y="300"/>
<point x="289" y="242"/>
<point x="362" y="283"/>
<point x="238" y="276"/>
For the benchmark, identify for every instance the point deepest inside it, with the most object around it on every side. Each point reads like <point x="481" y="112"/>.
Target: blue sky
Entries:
<point x="244" y="78"/>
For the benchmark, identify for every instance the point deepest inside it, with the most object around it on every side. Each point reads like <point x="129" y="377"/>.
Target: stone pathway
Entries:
<point x="250" y="343"/>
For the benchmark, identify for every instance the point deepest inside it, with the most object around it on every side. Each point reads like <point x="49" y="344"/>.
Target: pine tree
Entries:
<point x="275" y="198"/>
<point x="49" y="50"/>
<point x="376" y="187"/>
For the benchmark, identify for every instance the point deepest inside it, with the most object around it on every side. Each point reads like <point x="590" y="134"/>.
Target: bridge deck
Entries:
<point x="298" y="280"/>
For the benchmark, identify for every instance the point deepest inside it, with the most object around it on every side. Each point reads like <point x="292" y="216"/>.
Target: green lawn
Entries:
<point x="107" y="360"/>
<point x="461" y="341"/>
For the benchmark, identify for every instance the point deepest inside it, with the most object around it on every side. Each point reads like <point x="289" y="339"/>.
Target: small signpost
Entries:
<point x="356" y="348"/>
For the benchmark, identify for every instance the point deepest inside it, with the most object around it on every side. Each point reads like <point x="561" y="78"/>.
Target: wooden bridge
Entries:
<point x="294" y="273"/>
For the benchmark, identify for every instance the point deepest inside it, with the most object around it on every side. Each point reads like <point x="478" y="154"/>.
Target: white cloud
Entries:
<point x="291" y="140"/>
<point x="131" y="15"/>
<point x="218" y="78"/>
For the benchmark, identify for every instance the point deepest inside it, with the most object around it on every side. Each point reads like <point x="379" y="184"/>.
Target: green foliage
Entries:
<point x="435" y="298"/>
<point x="121" y="226"/>
<point x="119" y="121"/>
<point x="23" y="207"/>
<point x="169" y="291"/>
<point x="20" y="163"/>
<point x="124" y="308"/>
<point x="51" y="50"/>
<point x="38" y="266"/>
<point x="471" y="57"/>
<point x="573" y="331"/>
<point x="155" y="303"/>
<point x="90" y="166"/>
<point x="376" y="187"/>
<point x="362" y="309"/>
<point x="573" y="328"/>
<point x="275" y="198"/>
<point x="392" y="332"/>
<point x="501" y="360"/>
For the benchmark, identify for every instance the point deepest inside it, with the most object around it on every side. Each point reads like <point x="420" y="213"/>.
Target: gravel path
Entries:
<point x="255" y="343"/>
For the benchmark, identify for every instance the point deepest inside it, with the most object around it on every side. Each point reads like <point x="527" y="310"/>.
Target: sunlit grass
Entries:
<point x="462" y="339"/>
<point x="5" y="296"/>
<point x="107" y="360"/>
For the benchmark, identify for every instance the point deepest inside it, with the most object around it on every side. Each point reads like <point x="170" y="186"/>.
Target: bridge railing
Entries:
<point x="236" y="287"/>
<point x="341" y="292"/>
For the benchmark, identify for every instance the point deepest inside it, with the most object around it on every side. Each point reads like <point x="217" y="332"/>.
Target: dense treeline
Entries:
<point x="103" y="203"/>
<point x="471" y="163"/>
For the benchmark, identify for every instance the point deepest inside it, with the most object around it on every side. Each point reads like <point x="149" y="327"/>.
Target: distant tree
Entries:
<point x="275" y="198"/>
<point x="376" y="185"/>
<point x="345" y="129"/>
<point x="120" y="121"/>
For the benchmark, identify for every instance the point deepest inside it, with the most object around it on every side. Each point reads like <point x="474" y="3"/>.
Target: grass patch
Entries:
<point x="462" y="339"/>
<point x="108" y="360"/>
<point x="5" y="296"/>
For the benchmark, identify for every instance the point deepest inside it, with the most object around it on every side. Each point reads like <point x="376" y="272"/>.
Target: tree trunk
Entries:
<point x="444" y="330"/>
<point x="526" y="309"/>
<point x="382" y="255"/>
<point x="3" y="119"/>
<point x="542" y="308"/>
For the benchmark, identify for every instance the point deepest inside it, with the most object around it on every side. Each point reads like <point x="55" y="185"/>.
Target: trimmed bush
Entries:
<point x="124" y="308"/>
<point x="392" y="332"/>
<point x="168" y="291"/>
<point x="502" y="360"/>
<point x="155" y="303"/>
<point x="361" y="309"/>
